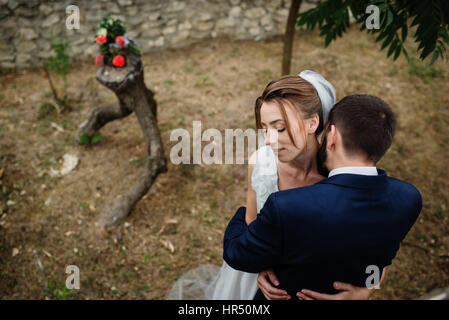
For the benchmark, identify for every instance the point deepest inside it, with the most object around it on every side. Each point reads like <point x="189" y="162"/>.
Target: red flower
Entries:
<point x="102" y="39"/>
<point x="120" y="40"/>
<point x="99" y="60"/>
<point x="118" y="61"/>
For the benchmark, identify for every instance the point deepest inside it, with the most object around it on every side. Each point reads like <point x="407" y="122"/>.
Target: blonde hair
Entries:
<point x="296" y="93"/>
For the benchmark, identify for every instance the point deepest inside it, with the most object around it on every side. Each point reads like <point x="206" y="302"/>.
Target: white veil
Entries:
<point x="325" y="91"/>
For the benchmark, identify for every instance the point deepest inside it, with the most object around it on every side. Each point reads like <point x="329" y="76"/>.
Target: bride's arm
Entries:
<point x="251" y="206"/>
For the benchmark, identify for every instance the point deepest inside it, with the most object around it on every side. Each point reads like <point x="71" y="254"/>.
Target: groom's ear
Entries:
<point x="332" y="137"/>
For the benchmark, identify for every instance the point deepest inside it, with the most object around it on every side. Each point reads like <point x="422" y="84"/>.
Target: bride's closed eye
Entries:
<point x="278" y="130"/>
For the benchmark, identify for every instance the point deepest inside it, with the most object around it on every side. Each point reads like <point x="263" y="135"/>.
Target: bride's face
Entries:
<point x="276" y="135"/>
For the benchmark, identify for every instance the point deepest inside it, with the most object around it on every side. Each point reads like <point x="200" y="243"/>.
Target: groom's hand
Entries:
<point x="347" y="292"/>
<point x="270" y="292"/>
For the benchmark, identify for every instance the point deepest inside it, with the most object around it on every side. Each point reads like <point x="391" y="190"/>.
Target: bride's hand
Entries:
<point x="347" y="292"/>
<point x="270" y="292"/>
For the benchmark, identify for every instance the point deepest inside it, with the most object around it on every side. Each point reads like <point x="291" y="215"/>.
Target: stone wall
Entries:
<point x="156" y="24"/>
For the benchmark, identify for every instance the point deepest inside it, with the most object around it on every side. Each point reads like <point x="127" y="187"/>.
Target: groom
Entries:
<point x="347" y="227"/>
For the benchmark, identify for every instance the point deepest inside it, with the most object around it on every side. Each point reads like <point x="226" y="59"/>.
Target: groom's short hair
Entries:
<point x="366" y="124"/>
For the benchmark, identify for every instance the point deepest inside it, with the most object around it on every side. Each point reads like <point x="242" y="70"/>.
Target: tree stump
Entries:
<point x="133" y="96"/>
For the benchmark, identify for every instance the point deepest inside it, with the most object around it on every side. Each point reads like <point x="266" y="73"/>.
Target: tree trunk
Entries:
<point x="289" y="36"/>
<point x="133" y="96"/>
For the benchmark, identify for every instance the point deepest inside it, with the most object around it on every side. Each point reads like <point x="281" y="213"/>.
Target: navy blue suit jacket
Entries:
<point x="326" y="232"/>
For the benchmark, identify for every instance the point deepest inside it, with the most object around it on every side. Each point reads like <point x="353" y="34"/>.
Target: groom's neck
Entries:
<point x="350" y="162"/>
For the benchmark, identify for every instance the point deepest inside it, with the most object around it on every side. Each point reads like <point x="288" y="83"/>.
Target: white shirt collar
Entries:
<point x="367" y="171"/>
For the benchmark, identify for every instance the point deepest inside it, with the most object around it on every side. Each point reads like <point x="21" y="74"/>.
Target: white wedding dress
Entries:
<point x="211" y="282"/>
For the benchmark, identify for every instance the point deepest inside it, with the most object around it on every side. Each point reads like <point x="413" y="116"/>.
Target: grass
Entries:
<point x="218" y="85"/>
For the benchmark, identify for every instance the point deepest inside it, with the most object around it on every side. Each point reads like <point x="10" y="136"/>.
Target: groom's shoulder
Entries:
<point x="404" y="189"/>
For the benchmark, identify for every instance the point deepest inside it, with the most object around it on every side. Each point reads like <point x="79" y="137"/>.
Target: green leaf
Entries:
<point x="404" y="32"/>
<point x="84" y="139"/>
<point x="134" y="49"/>
<point x="387" y="41"/>
<point x="434" y="57"/>
<point x="84" y="205"/>
<point x="397" y="52"/>
<point x="96" y="138"/>
<point x="389" y="18"/>
<point x="392" y="48"/>
<point x="406" y="54"/>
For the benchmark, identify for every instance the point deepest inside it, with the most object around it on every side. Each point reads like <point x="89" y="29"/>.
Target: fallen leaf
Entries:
<point x="167" y="244"/>
<point x="57" y="127"/>
<point x="47" y="253"/>
<point x="171" y="221"/>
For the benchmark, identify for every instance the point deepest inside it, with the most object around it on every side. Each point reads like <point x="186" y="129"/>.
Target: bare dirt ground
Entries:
<point x="52" y="219"/>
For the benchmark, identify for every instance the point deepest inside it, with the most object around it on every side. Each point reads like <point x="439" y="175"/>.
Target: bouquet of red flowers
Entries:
<point x="114" y="43"/>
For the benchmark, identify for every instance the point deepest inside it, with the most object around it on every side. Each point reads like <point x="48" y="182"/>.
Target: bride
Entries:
<point x="292" y="111"/>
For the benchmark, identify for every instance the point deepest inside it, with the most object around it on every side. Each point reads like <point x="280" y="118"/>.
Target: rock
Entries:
<point x="255" y="13"/>
<point x="159" y="42"/>
<point x="132" y="11"/>
<point x="151" y="33"/>
<point x="174" y="6"/>
<point x="266" y="20"/>
<point x="49" y="201"/>
<point x="32" y="3"/>
<point x="113" y="8"/>
<point x="70" y="161"/>
<point x="15" y="252"/>
<point x="12" y="4"/>
<point x="45" y="9"/>
<point x="247" y="24"/>
<point x="204" y="26"/>
<point x="225" y="23"/>
<point x="92" y="50"/>
<point x="75" y="94"/>
<point x="154" y="16"/>
<point x="50" y="20"/>
<point x="256" y="31"/>
<point x="26" y="46"/>
<point x="23" y="59"/>
<point x="205" y="16"/>
<point x="281" y="15"/>
<point x="27" y="34"/>
<point x="25" y="12"/>
<point x="235" y="12"/>
<point x="185" y="26"/>
<point x="77" y="41"/>
<point x="179" y="37"/>
<point x="172" y="22"/>
<point x="168" y="30"/>
<point x="7" y="65"/>
<point x="44" y="55"/>
<point x="125" y="3"/>
<point x="27" y="24"/>
<point x="7" y="56"/>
